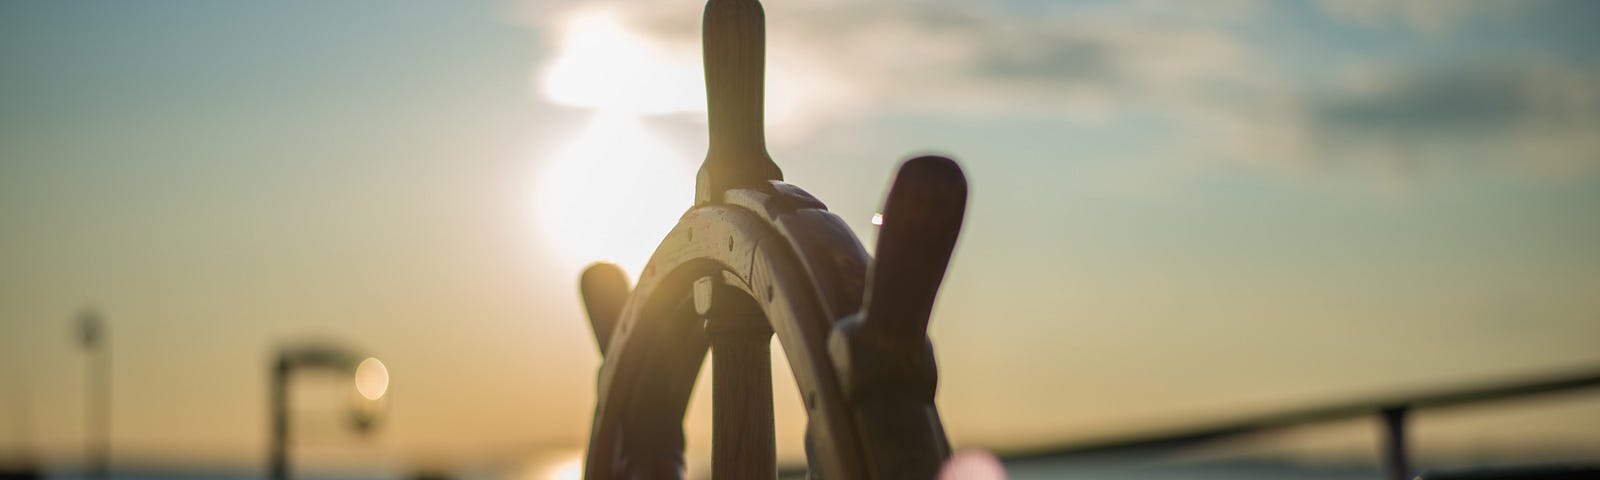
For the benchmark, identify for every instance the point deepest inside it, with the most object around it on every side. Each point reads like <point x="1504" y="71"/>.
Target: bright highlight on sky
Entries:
<point x="568" y="469"/>
<point x="602" y="64"/>
<point x="372" y="379"/>
<point x="590" y="200"/>
<point x="615" y="190"/>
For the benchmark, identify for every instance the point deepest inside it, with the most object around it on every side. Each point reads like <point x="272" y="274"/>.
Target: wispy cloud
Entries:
<point x="1543" y="116"/>
<point x="1434" y="17"/>
<point x="1226" y="96"/>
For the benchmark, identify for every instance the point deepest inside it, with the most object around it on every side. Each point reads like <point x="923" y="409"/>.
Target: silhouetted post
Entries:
<point x="97" y="394"/>
<point x="1396" y="466"/>
<point x="278" y="455"/>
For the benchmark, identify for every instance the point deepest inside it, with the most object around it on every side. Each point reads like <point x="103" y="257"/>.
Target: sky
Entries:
<point x="1179" y="211"/>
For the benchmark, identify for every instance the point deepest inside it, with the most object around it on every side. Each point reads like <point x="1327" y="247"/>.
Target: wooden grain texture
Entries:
<point x="659" y="341"/>
<point x="734" y="50"/>
<point x="785" y="260"/>
<point x="742" y="438"/>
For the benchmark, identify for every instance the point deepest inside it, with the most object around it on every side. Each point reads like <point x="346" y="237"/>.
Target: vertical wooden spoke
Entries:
<point x="742" y="444"/>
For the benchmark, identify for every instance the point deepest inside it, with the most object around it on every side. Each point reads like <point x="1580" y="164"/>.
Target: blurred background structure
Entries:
<point x="367" y="377"/>
<point x="96" y="393"/>
<point x="1180" y="212"/>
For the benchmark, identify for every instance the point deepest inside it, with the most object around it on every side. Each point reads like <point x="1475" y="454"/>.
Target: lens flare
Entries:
<point x="372" y="379"/>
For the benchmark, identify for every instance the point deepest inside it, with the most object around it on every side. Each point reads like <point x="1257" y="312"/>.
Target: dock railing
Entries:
<point x="1392" y="411"/>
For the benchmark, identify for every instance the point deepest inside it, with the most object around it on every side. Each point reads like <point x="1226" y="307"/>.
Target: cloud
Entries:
<point x="1436" y="16"/>
<point x="831" y="59"/>
<point x="1544" y="116"/>
<point x="1223" y="97"/>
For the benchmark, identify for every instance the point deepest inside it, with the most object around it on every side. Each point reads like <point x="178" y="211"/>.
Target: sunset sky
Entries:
<point x="1179" y="210"/>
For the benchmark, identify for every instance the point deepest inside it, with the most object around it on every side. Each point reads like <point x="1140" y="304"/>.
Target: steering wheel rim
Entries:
<point x="780" y="248"/>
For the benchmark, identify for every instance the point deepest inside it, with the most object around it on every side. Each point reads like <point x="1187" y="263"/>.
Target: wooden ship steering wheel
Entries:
<point x="756" y="257"/>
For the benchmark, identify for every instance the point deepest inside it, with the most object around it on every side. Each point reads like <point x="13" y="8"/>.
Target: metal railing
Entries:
<point x="1391" y="410"/>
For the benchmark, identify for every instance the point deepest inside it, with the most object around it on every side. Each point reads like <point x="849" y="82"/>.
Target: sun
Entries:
<point x="614" y="193"/>
<point x="616" y="189"/>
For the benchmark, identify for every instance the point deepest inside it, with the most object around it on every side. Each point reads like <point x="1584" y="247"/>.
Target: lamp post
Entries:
<point x="369" y="377"/>
<point x="97" y="393"/>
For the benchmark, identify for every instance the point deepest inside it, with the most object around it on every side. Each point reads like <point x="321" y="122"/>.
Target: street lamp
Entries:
<point x="368" y="375"/>
<point x="97" y="393"/>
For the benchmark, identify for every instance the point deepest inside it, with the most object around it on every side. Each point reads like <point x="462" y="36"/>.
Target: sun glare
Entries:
<point x="571" y="469"/>
<point x="614" y="193"/>
<point x="601" y="64"/>
<point x="617" y="188"/>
